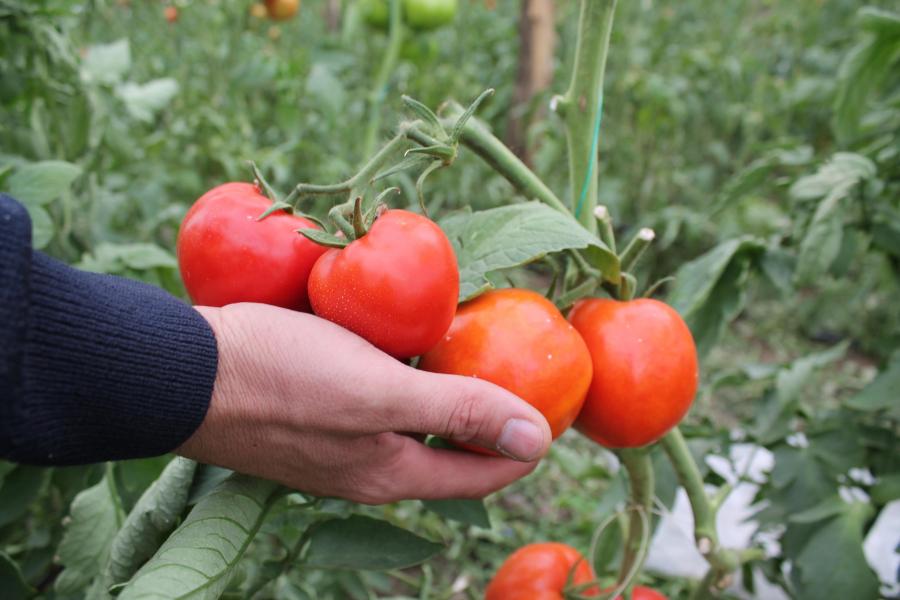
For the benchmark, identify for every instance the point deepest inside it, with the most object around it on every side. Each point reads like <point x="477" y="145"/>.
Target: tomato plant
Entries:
<point x="396" y="286"/>
<point x="282" y="9"/>
<point x="540" y="572"/>
<point x="643" y="593"/>
<point x="520" y="341"/>
<point x="171" y="14"/>
<point x="645" y="370"/>
<point x="226" y="256"/>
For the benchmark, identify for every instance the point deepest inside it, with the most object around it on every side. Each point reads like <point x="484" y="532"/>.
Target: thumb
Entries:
<point x="473" y="411"/>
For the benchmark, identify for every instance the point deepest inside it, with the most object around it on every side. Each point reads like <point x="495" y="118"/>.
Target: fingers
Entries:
<point x="464" y="409"/>
<point x="422" y="473"/>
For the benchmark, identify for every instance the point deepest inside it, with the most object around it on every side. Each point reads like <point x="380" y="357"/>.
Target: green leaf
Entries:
<point x="145" y="101"/>
<point x="200" y="556"/>
<point x="749" y="178"/>
<point x="12" y="583"/>
<point x="843" y="170"/>
<point x="42" y="182"/>
<point x="106" y="63"/>
<point x="887" y="489"/>
<point x="822" y="242"/>
<point x="154" y="516"/>
<point x="205" y="480"/>
<point x="5" y="469"/>
<point x="830" y="507"/>
<point x="832" y="565"/>
<point x="882" y="393"/>
<point x="364" y="543"/>
<point x="324" y="239"/>
<point x="865" y="68"/>
<point x="509" y="236"/>
<point x="790" y="381"/>
<point x="42" y="227"/>
<point x="20" y="488"/>
<point x="695" y="280"/>
<point x="113" y="258"/>
<point x="724" y="303"/>
<point x="777" y="264"/>
<point x="471" y="512"/>
<point x="96" y="516"/>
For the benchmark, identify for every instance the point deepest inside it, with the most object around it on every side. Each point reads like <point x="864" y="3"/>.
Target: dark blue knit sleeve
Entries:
<point x="93" y="367"/>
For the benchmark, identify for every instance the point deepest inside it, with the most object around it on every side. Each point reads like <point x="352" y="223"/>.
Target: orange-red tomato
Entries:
<point x="540" y="572"/>
<point x="282" y="9"/>
<point x="397" y="286"/>
<point x="645" y="370"/>
<point x="171" y="14"/>
<point x="226" y="256"/>
<point x="518" y="340"/>
<point x="642" y="593"/>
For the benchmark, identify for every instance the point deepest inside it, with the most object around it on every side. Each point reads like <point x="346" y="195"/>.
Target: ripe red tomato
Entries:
<point x="396" y="286"/>
<point x="518" y="340"/>
<point x="540" y="572"/>
<point x="645" y="370"/>
<point x="642" y="593"/>
<point x="171" y="14"/>
<point x="282" y="9"/>
<point x="226" y="256"/>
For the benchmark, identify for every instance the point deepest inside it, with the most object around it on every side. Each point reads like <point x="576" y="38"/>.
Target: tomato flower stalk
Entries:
<point x="723" y="561"/>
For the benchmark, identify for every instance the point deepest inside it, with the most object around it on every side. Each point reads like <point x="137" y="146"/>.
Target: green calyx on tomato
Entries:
<point x="645" y="370"/>
<point x="421" y="15"/>
<point x="396" y="285"/>
<point x="519" y="340"/>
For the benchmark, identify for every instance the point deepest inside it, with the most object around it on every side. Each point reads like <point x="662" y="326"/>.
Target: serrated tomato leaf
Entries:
<point x="365" y="543"/>
<point x="199" y="557"/>
<point x="510" y="236"/>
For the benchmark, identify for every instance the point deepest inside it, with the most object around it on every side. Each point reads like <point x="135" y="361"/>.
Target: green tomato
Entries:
<point x="421" y="15"/>
<point x="426" y="15"/>
<point x="419" y="49"/>
<point x="376" y="13"/>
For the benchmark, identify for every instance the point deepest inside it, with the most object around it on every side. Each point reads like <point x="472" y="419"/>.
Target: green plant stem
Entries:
<point x="723" y="560"/>
<point x="579" y="106"/>
<point x="640" y="475"/>
<point x="629" y="257"/>
<point x="702" y="592"/>
<point x="358" y="182"/>
<point x="476" y="137"/>
<point x="382" y="80"/>
<point x="689" y="476"/>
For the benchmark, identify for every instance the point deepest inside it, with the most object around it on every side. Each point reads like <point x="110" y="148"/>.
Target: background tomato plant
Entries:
<point x="758" y="139"/>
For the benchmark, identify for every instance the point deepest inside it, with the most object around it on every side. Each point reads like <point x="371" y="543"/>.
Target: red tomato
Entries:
<point x="642" y="593"/>
<point x="226" y="256"/>
<point x="540" y="572"/>
<point x="518" y="340"/>
<point x="645" y="370"/>
<point x="171" y="14"/>
<point x="396" y="286"/>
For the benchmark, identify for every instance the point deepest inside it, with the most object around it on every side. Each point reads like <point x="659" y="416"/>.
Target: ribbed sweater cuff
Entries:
<point x="112" y="369"/>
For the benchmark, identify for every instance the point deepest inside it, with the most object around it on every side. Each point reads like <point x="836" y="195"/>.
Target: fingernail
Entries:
<point x="521" y="440"/>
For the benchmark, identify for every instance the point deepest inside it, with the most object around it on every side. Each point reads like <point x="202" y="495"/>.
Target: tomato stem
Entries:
<point x="580" y="106"/>
<point x="640" y="475"/>
<point x="605" y="226"/>
<point x="359" y="224"/>
<point x="382" y="79"/>
<point x="632" y="253"/>
<point x="475" y="136"/>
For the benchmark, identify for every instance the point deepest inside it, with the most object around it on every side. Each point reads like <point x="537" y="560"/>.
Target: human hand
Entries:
<point x="306" y="403"/>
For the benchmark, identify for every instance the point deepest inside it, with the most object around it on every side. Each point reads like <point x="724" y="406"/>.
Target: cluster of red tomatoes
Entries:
<point x="624" y="373"/>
